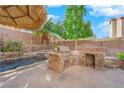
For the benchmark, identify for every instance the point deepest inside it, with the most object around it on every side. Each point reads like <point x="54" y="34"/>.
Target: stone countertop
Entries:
<point x="93" y="50"/>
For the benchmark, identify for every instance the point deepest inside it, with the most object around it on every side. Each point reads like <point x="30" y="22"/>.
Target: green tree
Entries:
<point x="54" y="28"/>
<point x="74" y="24"/>
<point x="74" y="21"/>
<point x="88" y="30"/>
<point x="51" y="28"/>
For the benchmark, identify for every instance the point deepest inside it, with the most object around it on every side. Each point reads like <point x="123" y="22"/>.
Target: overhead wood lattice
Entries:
<point x="23" y="16"/>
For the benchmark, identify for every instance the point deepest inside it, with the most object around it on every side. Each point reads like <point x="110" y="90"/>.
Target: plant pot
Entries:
<point x="122" y="64"/>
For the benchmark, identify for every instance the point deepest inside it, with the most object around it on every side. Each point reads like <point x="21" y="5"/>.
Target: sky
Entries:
<point x="99" y="16"/>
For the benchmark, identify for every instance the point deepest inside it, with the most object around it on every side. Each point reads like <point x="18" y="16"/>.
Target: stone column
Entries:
<point x="82" y="59"/>
<point x="99" y="61"/>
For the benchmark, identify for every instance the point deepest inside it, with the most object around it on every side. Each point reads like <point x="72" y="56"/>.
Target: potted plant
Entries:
<point x="120" y="56"/>
<point x="1" y="44"/>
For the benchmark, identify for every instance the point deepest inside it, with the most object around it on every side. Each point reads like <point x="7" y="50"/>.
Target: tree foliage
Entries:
<point x="74" y="23"/>
<point x="72" y="27"/>
<point x="54" y="29"/>
<point x="88" y="32"/>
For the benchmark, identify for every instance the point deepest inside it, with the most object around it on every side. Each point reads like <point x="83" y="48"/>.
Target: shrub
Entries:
<point x="120" y="55"/>
<point x="11" y="46"/>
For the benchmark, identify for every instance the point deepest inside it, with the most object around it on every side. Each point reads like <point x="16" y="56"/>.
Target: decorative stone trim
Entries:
<point x="97" y="58"/>
<point x="98" y="62"/>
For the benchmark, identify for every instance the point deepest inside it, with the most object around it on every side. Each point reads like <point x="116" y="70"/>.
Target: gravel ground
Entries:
<point x="73" y="77"/>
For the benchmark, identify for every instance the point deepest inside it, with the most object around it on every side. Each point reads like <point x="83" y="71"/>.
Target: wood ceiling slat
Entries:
<point x="12" y="12"/>
<point x="4" y="16"/>
<point x="6" y="21"/>
<point x="33" y="16"/>
<point x="27" y="19"/>
<point x="24" y="8"/>
<point x="10" y="17"/>
<point x="7" y="6"/>
<point x="3" y="12"/>
<point x="25" y="14"/>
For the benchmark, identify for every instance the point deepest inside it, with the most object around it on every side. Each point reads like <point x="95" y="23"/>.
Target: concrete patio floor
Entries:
<point x="73" y="77"/>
